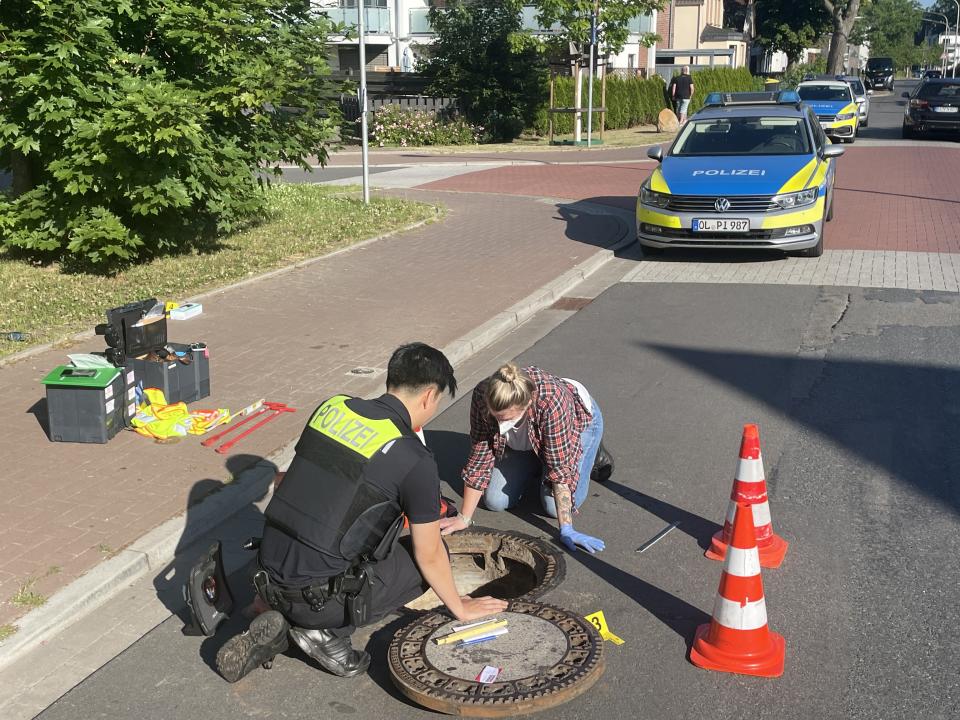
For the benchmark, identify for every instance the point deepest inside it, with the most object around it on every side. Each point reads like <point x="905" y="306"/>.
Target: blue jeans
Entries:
<point x="518" y="472"/>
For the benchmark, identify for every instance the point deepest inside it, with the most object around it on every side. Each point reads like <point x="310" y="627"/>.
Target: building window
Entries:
<point x="631" y="61"/>
<point x="366" y="3"/>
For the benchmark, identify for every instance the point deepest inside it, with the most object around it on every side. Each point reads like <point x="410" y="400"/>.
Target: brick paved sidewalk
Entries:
<point x="291" y="338"/>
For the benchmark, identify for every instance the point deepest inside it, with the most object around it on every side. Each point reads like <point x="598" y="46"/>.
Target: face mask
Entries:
<point x="508" y="425"/>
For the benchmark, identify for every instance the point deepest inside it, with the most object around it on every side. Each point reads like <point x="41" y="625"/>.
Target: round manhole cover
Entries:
<point x="506" y="565"/>
<point x="548" y="657"/>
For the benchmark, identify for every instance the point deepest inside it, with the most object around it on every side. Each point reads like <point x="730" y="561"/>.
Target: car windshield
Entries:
<point x="857" y="87"/>
<point x="880" y="64"/>
<point x="824" y="92"/>
<point x="943" y="91"/>
<point x="743" y="136"/>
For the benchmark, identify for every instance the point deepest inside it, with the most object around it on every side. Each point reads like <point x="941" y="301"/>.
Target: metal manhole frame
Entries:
<point x="574" y="674"/>
<point x="556" y="564"/>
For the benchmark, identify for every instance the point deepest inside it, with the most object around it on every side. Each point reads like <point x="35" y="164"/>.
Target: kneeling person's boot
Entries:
<point x="602" y="465"/>
<point x="335" y="654"/>
<point x="266" y="638"/>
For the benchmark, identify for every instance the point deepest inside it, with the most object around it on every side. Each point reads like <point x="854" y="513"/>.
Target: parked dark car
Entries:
<point x="880" y="72"/>
<point x="933" y="74"/>
<point x="934" y="105"/>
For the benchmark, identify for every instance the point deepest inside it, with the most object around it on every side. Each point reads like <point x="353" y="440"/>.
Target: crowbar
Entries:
<point x="249" y="411"/>
<point x="275" y="410"/>
<point x="658" y="537"/>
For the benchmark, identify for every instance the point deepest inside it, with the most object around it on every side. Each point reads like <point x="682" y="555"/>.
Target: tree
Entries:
<point x="890" y="27"/>
<point x="573" y="18"/>
<point x="843" y="17"/>
<point x="483" y="57"/>
<point x="791" y="26"/>
<point x="134" y="128"/>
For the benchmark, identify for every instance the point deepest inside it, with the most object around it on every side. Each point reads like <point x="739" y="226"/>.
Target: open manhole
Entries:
<point x="506" y="565"/>
<point x="548" y="657"/>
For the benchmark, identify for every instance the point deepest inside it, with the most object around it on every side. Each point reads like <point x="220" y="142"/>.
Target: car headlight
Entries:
<point x="788" y="201"/>
<point x="845" y="116"/>
<point x="649" y="197"/>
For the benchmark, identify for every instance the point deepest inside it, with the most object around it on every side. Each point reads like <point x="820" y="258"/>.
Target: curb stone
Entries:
<point x="155" y="550"/>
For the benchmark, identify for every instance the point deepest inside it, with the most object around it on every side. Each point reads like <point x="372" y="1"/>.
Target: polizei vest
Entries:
<point x="326" y="500"/>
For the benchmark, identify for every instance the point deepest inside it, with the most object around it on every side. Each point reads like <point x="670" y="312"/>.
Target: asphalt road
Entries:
<point x="855" y="392"/>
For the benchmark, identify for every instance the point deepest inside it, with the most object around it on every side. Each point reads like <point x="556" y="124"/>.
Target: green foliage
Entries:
<point x="573" y="16"/>
<point x="486" y="61"/>
<point x="135" y="129"/>
<point x="791" y="25"/>
<point x="890" y="27"/>
<point x="393" y="125"/>
<point x="636" y="101"/>
<point x="795" y="73"/>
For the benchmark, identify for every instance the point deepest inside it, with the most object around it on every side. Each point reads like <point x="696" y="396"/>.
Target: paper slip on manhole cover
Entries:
<point x="548" y="657"/>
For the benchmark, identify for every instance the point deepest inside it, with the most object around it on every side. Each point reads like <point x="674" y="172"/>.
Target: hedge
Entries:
<point x="638" y="101"/>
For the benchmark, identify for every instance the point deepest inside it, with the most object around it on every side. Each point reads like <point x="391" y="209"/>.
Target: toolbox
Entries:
<point x="85" y="404"/>
<point x="179" y="382"/>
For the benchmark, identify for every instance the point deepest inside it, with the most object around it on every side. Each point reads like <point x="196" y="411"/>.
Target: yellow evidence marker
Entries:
<point x="600" y="623"/>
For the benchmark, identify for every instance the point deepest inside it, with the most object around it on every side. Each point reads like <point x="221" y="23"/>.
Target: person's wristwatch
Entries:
<point x="467" y="520"/>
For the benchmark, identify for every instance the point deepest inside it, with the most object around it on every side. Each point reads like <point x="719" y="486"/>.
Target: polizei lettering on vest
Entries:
<point x="337" y="424"/>
<point x="729" y="173"/>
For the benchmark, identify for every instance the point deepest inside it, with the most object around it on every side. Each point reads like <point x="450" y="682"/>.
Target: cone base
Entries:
<point x="768" y="663"/>
<point x="771" y="555"/>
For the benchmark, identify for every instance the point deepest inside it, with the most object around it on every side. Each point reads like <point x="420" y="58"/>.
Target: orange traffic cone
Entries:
<point x="737" y="639"/>
<point x="750" y="487"/>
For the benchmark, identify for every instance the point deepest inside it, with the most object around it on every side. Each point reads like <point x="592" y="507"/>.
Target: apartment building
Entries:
<point x="398" y="31"/>
<point x="692" y="33"/>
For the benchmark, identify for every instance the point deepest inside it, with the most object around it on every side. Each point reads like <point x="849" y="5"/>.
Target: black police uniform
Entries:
<point x="358" y="466"/>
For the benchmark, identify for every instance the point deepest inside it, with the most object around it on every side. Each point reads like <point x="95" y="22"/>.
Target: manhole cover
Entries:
<point x="548" y="657"/>
<point x="506" y="565"/>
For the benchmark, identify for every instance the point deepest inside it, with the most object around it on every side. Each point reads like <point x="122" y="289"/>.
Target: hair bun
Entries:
<point x="508" y="373"/>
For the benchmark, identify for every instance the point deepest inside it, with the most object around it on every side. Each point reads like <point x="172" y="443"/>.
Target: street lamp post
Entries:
<point x="956" y="40"/>
<point x="593" y="46"/>
<point x="946" y="25"/>
<point x="364" y="159"/>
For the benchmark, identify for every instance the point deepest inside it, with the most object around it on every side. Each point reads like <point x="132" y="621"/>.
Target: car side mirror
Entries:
<point x="832" y="151"/>
<point x="869" y="92"/>
<point x="655" y="153"/>
<point x="905" y="95"/>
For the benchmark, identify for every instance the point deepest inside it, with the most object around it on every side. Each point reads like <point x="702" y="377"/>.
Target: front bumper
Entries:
<point x="841" y="128"/>
<point x="655" y="228"/>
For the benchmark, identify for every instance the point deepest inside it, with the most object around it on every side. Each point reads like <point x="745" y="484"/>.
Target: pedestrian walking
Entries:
<point x="681" y="91"/>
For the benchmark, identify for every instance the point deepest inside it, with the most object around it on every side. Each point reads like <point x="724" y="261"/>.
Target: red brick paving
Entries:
<point x="291" y="338"/>
<point x="888" y="198"/>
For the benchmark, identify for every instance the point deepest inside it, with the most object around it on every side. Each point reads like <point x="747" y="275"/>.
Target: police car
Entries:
<point x="749" y="170"/>
<point x="835" y="105"/>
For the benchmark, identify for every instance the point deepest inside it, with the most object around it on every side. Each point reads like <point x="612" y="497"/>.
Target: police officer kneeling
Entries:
<point x="331" y="558"/>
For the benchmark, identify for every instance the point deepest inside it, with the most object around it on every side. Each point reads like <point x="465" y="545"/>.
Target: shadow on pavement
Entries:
<point x="891" y="415"/>
<point x="170" y="580"/>
<point x="678" y="615"/>
<point x="39" y="411"/>
<point x="590" y="228"/>
<point x="700" y="529"/>
<point x="450" y="449"/>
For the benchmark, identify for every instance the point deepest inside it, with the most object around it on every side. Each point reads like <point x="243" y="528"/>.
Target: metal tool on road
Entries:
<point x="247" y="412"/>
<point x="270" y="410"/>
<point x="658" y="537"/>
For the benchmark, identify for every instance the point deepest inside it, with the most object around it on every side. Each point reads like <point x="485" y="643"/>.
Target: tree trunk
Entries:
<point x="838" y="48"/>
<point x="22" y="173"/>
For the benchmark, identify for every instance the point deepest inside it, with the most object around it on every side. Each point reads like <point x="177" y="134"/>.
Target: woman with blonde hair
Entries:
<point x="533" y="430"/>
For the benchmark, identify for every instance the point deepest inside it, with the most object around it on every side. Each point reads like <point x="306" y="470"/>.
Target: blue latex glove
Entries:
<point x="573" y="539"/>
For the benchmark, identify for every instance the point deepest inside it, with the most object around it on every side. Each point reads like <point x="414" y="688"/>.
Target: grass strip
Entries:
<point x="303" y="221"/>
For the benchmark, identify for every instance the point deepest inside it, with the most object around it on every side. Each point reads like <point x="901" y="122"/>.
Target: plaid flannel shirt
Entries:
<point x="555" y="420"/>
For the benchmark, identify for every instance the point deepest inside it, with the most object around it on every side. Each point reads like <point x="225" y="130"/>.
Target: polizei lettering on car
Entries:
<point x="730" y="172"/>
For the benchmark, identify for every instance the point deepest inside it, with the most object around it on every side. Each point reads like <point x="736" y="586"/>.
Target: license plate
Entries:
<point x="735" y="225"/>
<point x="946" y="108"/>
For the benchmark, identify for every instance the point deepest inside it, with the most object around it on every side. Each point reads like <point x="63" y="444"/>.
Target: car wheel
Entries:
<point x="829" y="216"/>
<point x="815" y="251"/>
<point x="865" y="123"/>
<point x="906" y="132"/>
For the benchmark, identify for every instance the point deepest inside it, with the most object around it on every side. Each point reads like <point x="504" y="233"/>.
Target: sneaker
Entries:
<point x="335" y="654"/>
<point x="602" y="465"/>
<point x="266" y="638"/>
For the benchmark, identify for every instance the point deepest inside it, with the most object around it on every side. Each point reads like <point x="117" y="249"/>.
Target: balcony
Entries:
<point x="377" y="19"/>
<point x="640" y="24"/>
<point x="420" y="22"/>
